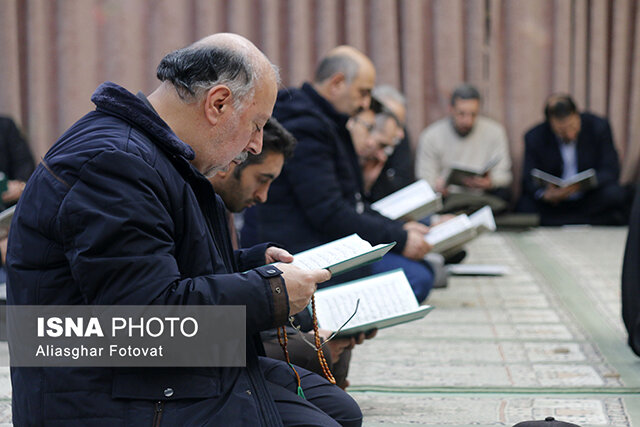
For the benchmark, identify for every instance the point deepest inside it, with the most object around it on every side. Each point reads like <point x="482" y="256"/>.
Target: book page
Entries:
<point x="383" y="296"/>
<point x="546" y="178"/>
<point x="405" y="200"/>
<point x="490" y="164"/>
<point x="582" y="176"/>
<point x="483" y="219"/>
<point x="448" y="229"/>
<point x="331" y="253"/>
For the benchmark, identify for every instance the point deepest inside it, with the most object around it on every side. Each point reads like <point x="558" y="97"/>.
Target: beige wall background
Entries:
<point x="54" y="53"/>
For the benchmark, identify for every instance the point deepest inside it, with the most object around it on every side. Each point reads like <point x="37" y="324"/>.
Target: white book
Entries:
<point x="412" y="202"/>
<point x="341" y="255"/>
<point x="452" y="233"/>
<point x="5" y="221"/>
<point x="587" y="179"/>
<point x="483" y="220"/>
<point x="385" y="300"/>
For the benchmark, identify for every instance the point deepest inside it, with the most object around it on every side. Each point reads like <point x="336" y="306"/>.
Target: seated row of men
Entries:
<point x="566" y="143"/>
<point x="345" y="137"/>
<point x="119" y="212"/>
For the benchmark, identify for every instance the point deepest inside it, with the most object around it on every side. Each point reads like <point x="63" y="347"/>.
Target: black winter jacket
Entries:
<point x="116" y="214"/>
<point x="318" y="197"/>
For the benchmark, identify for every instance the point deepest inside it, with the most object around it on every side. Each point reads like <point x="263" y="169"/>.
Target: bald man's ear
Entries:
<point x="217" y="102"/>
<point x="337" y="83"/>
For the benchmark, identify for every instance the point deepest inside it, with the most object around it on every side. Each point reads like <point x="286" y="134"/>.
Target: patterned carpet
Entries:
<point x="544" y="340"/>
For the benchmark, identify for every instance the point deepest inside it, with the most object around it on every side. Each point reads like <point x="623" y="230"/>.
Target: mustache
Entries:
<point x="240" y="158"/>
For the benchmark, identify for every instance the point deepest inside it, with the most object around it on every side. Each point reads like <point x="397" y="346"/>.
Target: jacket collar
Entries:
<point x="117" y="101"/>
<point x="325" y="105"/>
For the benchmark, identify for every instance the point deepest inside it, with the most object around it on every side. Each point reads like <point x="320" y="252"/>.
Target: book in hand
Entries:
<point x="412" y="202"/>
<point x="449" y="234"/>
<point x="587" y="179"/>
<point x="458" y="173"/>
<point x="385" y="300"/>
<point x="483" y="220"/>
<point x="341" y="255"/>
<point x="5" y="221"/>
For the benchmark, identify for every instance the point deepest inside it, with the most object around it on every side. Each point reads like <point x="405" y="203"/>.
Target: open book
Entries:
<point x="483" y="220"/>
<point x="458" y="173"/>
<point x="412" y="202"/>
<point x="459" y="230"/>
<point x="455" y="232"/>
<point x="5" y="221"/>
<point x="341" y="255"/>
<point x="386" y="299"/>
<point x="587" y="179"/>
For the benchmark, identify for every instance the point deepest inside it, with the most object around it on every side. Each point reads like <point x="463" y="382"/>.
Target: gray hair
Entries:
<point x="385" y="92"/>
<point x="337" y="63"/>
<point x="197" y="68"/>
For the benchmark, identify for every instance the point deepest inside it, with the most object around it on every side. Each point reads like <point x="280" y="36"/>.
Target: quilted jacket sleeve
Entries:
<point x="118" y="235"/>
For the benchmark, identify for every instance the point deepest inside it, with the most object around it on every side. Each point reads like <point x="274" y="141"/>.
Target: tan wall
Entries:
<point x="53" y="54"/>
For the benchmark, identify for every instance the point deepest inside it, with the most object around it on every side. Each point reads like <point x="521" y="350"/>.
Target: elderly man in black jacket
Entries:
<point x="569" y="142"/>
<point x="120" y="213"/>
<point x="319" y="195"/>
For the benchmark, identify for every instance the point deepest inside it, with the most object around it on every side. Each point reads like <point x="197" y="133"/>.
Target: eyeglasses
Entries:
<point x="368" y="126"/>
<point x="332" y="336"/>
<point x="388" y="147"/>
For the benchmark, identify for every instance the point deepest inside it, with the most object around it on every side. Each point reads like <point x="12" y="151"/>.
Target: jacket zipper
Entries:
<point x="157" y="417"/>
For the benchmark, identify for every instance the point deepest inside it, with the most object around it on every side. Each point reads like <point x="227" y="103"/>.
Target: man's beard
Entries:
<point x="240" y="158"/>
<point x="463" y="132"/>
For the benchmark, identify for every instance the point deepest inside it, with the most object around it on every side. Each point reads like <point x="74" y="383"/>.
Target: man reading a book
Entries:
<point x="469" y="142"/>
<point x="319" y="195"/>
<point x="565" y="144"/>
<point x="247" y="184"/>
<point x="120" y="212"/>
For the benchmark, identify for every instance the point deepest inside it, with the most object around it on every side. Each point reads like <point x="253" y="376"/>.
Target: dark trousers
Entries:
<point x="324" y="405"/>
<point x="607" y="205"/>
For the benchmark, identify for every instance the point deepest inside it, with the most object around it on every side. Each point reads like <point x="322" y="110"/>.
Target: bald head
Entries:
<point x="345" y="77"/>
<point x="223" y="58"/>
<point x="217" y="94"/>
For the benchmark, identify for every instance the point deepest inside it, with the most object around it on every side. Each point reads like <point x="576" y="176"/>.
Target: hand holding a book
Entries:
<point x="417" y="226"/>
<point x="14" y="191"/>
<point x="275" y="254"/>
<point x="480" y="182"/>
<point x="441" y="186"/>
<point x="416" y="247"/>
<point x="301" y="284"/>
<point x="337" y="346"/>
<point x="554" y="194"/>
